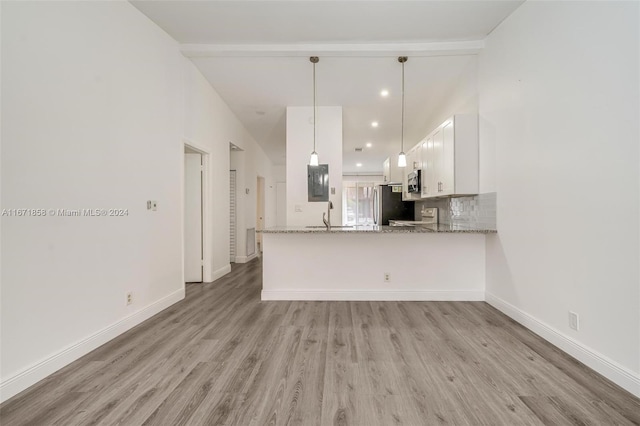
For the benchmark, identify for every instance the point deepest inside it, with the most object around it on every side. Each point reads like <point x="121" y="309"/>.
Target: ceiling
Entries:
<point x="256" y="56"/>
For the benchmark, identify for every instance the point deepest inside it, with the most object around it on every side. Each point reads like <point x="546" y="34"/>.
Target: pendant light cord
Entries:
<point x="314" y="106"/>
<point x="402" y="158"/>
<point x="313" y="161"/>
<point x="402" y="132"/>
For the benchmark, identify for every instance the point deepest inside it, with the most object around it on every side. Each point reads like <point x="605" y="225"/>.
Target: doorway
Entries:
<point x="193" y="216"/>
<point x="259" y="212"/>
<point x="357" y="202"/>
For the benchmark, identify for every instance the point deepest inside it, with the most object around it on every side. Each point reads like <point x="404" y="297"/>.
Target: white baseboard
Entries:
<point x="245" y="259"/>
<point x="610" y="369"/>
<point x="21" y="381"/>
<point x="219" y="273"/>
<point x="377" y="295"/>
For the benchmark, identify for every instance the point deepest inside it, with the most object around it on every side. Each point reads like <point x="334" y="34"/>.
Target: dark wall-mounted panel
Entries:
<point x="318" y="182"/>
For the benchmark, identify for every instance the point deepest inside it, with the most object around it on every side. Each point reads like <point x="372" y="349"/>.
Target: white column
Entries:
<point x="300" y="212"/>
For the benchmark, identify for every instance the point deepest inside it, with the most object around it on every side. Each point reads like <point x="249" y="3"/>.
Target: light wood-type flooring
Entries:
<point x="223" y="357"/>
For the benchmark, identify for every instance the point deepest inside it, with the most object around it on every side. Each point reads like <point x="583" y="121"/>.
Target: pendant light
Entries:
<point x="402" y="158"/>
<point x="313" y="161"/>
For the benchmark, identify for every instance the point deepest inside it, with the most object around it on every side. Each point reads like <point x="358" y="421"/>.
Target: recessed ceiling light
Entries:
<point x="384" y="93"/>
<point x="374" y="124"/>
<point x="369" y="144"/>
<point x="358" y="164"/>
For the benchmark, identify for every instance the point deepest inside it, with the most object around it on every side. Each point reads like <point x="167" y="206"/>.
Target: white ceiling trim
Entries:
<point x="470" y="47"/>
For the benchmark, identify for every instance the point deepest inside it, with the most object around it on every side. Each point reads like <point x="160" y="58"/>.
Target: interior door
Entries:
<point x="192" y="217"/>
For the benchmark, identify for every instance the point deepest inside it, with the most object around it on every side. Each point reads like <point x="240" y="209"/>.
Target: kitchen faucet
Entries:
<point x="327" y="220"/>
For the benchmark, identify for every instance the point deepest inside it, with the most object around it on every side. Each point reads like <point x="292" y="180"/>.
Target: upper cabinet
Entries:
<point x="427" y="167"/>
<point x="450" y="158"/>
<point x="391" y="172"/>
<point x="414" y="163"/>
<point x="447" y="159"/>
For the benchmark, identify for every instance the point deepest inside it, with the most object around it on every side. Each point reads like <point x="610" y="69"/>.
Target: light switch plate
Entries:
<point x="298" y="208"/>
<point x="333" y="191"/>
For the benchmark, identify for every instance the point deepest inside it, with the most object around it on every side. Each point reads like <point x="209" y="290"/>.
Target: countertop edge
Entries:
<point x="442" y="229"/>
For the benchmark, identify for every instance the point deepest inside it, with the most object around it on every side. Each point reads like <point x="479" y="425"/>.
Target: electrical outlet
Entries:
<point x="574" y="321"/>
<point x="387" y="277"/>
<point x="129" y="298"/>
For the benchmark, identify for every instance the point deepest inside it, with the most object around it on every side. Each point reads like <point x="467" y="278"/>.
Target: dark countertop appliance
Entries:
<point x="388" y="205"/>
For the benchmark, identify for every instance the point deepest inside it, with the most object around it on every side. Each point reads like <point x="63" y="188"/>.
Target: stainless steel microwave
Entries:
<point x="413" y="181"/>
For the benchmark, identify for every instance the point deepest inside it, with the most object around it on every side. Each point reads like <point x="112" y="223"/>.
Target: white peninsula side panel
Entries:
<point x="352" y="266"/>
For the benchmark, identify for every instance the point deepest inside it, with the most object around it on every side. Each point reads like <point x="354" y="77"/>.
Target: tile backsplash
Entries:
<point x="475" y="210"/>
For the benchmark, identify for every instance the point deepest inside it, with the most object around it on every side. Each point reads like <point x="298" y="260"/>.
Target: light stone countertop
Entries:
<point x="424" y="229"/>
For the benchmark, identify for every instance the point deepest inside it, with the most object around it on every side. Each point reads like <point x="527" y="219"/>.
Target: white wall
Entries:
<point x="258" y="164"/>
<point x="280" y="173"/>
<point x="299" y="147"/>
<point x="90" y="121"/>
<point x="363" y="178"/>
<point x="97" y="104"/>
<point x="558" y="94"/>
<point x="211" y="126"/>
<point x="462" y="99"/>
<point x="250" y="163"/>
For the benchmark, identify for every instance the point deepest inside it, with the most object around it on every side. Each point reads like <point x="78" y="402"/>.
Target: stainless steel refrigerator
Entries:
<point x="388" y="205"/>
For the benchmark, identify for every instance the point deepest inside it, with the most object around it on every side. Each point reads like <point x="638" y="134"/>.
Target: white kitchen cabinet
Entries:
<point x="450" y="158"/>
<point x="414" y="163"/>
<point x="391" y="172"/>
<point x="427" y="167"/>
<point x="447" y="166"/>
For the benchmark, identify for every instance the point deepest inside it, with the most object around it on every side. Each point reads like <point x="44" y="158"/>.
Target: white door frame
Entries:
<point x="261" y="184"/>
<point x="206" y="210"/>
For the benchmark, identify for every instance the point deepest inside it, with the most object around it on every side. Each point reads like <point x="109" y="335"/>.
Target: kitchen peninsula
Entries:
<point x="436" y="262"/>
